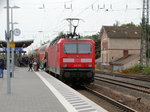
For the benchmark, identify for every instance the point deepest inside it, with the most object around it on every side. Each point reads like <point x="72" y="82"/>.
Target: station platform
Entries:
<point x="40" y="92"/>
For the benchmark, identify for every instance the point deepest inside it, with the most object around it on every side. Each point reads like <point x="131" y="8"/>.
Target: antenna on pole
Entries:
<point x="144" y="52"/>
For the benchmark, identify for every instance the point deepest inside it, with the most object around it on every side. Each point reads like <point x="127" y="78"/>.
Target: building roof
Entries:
<point x="98" y="60"/>
<point x="124" y="60"/>
<point x="121" y="32"/>
<point x="22" y="44"/>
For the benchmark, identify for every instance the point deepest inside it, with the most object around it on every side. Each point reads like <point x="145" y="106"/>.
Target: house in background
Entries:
<point x="119" y="45"/>
<point x="125" y="62"/>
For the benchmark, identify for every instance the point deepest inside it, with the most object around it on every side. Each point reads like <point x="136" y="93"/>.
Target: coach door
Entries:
<point x="46" y="55"/>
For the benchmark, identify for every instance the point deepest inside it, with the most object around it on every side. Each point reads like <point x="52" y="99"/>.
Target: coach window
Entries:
<point x="57" y="47"/>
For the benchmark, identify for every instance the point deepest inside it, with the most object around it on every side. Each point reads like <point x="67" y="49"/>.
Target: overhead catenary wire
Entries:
<point x="86" y="9"/>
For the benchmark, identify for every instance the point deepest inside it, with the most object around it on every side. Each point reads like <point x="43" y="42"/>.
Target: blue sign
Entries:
<point x="17" y="49"/>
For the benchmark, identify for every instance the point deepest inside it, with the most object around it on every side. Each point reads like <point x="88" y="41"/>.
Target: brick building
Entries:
<point x="119" y="43"/>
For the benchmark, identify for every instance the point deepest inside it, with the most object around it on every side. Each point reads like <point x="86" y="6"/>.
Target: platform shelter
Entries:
<point x="19" y="48"/>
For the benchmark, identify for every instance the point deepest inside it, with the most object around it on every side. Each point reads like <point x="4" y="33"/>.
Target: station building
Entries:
<point x="120" y="46"/>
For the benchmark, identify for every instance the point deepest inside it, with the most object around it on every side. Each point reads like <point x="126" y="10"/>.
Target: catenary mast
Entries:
<point x="144" y="53"/>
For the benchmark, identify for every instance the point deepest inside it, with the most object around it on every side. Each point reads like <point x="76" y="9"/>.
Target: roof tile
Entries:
<point x="130" y="32"/>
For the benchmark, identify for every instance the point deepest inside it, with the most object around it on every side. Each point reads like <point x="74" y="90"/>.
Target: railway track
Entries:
<point x="139" y="88"/>
<point x="123" y="108"/>
<point x="135" y="77"/>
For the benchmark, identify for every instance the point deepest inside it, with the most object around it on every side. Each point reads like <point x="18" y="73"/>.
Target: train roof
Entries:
<point x="42" y="48"/>
<point x="69" y="40"/>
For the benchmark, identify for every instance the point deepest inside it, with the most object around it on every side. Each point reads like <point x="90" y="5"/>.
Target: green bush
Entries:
<point x="146" y="70"/>
<point x="115" y="71"/>
<point x="136" y="69"/>
<point x="132" y="69"/>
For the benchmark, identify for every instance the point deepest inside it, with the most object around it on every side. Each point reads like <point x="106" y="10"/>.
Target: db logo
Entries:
<point x="77" y="60"/>
<point x="79" y="65"/>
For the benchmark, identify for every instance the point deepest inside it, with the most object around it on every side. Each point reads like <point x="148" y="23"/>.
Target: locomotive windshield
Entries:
<point x="70" y="48"/>
<point x="81" y="48"/>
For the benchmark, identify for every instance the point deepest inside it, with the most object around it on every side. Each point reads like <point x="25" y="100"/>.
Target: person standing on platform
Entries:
<point x="1" y="67"/>
<point x="35" y="64"/>
<point x="44" y="63"/>
<point x="38" y="64"/>
<point x="30" y="64"/>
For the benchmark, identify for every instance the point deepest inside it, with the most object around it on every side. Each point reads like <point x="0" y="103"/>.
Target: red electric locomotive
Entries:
<point x="72" y="60"/>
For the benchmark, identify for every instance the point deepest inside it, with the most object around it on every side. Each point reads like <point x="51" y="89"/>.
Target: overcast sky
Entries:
<point x="49" y="16"/>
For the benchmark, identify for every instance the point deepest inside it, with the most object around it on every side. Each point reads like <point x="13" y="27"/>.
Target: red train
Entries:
<point x="42" y="51"/>
<point x="71" y="60"/>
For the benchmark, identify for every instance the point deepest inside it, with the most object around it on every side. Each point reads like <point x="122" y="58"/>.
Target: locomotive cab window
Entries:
<point x="84" y="48"/>
<point x="81" y="48"/>
<point x="70" y="48"/>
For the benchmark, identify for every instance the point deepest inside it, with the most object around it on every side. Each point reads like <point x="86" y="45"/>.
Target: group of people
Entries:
<point x="22" y="61"/>
<point x="34" y="64"/>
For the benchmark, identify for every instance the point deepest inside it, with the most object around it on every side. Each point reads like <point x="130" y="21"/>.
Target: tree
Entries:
<point x="117" y="23"/>
<point x="60" y="35"/>
<point x="97" y="44"/>
<point x="129" y="24"/>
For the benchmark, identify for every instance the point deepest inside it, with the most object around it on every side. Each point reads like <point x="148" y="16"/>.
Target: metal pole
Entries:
<point x="12" y="38"/>
<point x="143" y="51"/>
<point x="43" y="38"/>
<point x="8" y="53"/>
<point x="41" y="41"/>
<point x="147" y="24"/>
<point x="70" y="26"/>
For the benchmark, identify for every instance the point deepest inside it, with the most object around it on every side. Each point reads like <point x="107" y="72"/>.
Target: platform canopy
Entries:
<point x="21" y="44"/>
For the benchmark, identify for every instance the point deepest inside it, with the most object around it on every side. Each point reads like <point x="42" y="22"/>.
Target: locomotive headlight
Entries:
<point x="65" y="65"/>
<point x="90" y="65"/>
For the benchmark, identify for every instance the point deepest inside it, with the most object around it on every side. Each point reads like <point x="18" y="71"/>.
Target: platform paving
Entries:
<point x="28" y="94"/>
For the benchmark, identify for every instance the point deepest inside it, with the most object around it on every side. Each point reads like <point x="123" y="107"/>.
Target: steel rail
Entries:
<point x="141" y="78"/>
<point x="124" y="84"/>
<point x="112" y="101"/>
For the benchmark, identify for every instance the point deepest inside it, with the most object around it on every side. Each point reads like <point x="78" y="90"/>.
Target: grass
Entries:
<point x="146" y="70"/>
<point x="137" y="70"/>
